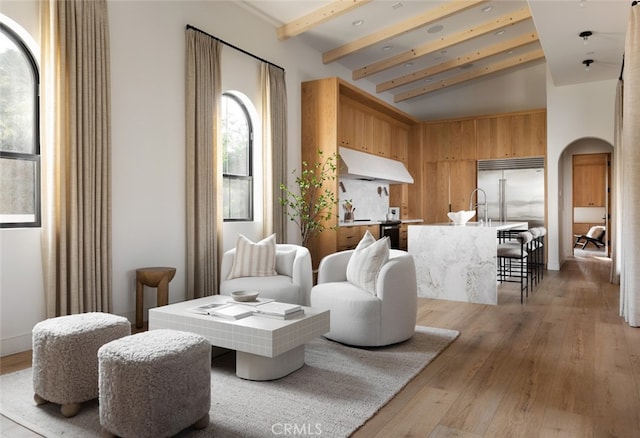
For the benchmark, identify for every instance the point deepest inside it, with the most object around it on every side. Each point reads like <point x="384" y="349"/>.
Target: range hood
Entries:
<point x="360" y="165"/>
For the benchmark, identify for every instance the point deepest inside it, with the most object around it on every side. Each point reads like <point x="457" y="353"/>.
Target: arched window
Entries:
<point x="19" y="133"/>
<point x="237" y="162"/>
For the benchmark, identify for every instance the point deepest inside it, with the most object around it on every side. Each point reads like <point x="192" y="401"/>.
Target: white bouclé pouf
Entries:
<point x="154" y="384"/>
<point x="65" y="356"/>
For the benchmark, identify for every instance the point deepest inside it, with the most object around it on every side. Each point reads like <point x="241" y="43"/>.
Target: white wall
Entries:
<point x="148" y="82"/>
<point x="574" y="112"/>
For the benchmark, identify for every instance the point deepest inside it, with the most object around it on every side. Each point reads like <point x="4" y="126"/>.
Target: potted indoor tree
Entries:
<point x="311" y="204"/>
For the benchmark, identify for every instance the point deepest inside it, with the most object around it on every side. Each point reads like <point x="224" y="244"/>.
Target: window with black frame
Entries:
<point x="237" y="163"/>
<point x="19" y="133"/>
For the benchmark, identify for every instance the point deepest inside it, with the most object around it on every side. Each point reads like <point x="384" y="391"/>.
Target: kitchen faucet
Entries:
<point x="477" y="204"/>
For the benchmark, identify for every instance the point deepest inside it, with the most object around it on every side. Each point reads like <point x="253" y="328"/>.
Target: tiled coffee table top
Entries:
<point x="254" y="334"/>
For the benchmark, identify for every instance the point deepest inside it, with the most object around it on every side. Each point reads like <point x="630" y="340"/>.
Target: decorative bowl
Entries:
<point x="244" y="295"/>
<point x="461" y="217"/>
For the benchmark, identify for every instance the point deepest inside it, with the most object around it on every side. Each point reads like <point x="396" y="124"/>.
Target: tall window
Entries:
<point x="237" y="165"/>
<point x="19" y="133"/>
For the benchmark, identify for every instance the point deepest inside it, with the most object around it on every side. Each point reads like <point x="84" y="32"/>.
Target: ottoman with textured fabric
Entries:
<point x="65" y="357"/>
<point x="154" y="384"/>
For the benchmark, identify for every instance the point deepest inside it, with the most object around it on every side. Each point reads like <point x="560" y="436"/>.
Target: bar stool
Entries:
<point x="158" y="277"/>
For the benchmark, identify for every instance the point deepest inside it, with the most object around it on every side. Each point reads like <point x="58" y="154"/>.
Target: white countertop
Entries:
<point x="494" y="224"/>
<point x="378" y="222"/>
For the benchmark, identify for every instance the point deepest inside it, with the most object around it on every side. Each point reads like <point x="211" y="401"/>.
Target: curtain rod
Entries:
<point x="234" y="47"/>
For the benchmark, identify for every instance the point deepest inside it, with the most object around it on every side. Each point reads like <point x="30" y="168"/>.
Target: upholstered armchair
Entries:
<point x="291" y="283"/>
<point x="358" y="316"/>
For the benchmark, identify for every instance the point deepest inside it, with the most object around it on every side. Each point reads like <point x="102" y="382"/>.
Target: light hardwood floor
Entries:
<point x="563" y="364"/>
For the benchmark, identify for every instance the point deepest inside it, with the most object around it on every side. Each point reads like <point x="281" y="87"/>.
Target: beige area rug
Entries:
<point x="332" y="395"/>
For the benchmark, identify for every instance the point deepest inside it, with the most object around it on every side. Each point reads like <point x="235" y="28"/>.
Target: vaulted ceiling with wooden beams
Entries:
<point x="425" y="55"/>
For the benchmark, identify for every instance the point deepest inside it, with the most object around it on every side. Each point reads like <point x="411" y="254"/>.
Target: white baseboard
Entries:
<point x="16" y="344"/>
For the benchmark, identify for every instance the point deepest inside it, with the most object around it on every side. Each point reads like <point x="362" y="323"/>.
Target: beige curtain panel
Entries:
<point x="274" y="122"/>
<point x="630" y="206"/>
<point x="204" y="184"/>
<point x="76" y="156"/>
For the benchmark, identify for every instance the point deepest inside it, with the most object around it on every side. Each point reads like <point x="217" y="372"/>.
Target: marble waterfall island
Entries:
<point x="458" y="262"/>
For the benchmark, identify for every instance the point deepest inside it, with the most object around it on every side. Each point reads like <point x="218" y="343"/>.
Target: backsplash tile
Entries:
<point x="364" y="196"/>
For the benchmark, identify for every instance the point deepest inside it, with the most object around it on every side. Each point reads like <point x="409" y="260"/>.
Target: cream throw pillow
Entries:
<point x="254" y="259"/>
<point x="366" y="261"/>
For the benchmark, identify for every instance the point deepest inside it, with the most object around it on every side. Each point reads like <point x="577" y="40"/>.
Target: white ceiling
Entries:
<point x="557" y="23"/>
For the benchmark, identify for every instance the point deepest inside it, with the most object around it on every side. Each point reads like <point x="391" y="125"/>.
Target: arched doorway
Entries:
<point x="573" y="218"/>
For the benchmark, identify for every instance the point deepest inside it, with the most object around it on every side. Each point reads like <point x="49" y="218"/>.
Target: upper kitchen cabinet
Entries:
<point x="589" y="180"/>
<point x="512" y="135"/>
<point x="335" y="113"/>
<point x="382" y="137"/>
<point x="400" y="146"/>
<point x="450" y="141"/>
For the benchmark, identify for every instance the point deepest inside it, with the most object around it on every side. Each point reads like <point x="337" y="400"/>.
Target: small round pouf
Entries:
<point x="154" y="384"/>
<point x="65" y="356"/>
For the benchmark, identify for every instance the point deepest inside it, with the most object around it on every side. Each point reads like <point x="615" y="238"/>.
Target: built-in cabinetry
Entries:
<point x="509" y="136"/>
<point x="449" y="169"/>
<point x="335" y="113"/>
<point x="451" y="149"/>
<point x="349" y="236"/>
<point x="589" y="180"/>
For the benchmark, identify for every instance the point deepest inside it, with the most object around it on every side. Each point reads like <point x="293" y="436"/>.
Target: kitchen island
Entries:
<point x="458" y="262"/>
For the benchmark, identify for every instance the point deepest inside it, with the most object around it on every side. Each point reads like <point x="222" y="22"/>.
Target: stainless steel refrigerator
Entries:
<point x="514" y="188"/>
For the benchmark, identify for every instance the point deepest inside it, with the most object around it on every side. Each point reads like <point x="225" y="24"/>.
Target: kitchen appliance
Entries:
<point x="514" y="189"/>
<point x="393" y="214"/>
<point x="391" y="229"/>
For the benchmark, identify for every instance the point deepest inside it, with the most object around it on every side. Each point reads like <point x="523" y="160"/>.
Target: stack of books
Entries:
<point x="278" y="310"/>
<point x="227" y="311"/>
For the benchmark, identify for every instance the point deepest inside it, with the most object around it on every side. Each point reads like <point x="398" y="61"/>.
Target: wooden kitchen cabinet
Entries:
<point x="589" y="180"/>
<point x="349" y="236"/>
<point x="404" y="233"/>
<point x="450" y="141"/>
<point x="355" y="129"/>
<point x="493" y="138"/>
<point x="381" y="137"/>
<point x="510" y="136"/>
<point x="335" y="113"/>
<point x="400" y="143"/>
<point x="448" y="185"/>
<point x="529" y="134"/>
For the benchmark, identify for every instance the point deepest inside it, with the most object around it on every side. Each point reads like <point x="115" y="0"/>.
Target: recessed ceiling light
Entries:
<point x="386" y="48"/>
<point x="358" y="23"/>
<point x="435" y="29"/>
<point x="487" y="8"/>
<point x="500" y="32"/>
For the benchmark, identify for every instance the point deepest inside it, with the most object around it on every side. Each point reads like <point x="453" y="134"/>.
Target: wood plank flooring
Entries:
<point x="563" y="364"/>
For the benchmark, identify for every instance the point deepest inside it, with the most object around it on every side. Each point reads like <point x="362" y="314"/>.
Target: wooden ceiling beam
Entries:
<point x="473" y="74"/>
<point x="317" y="17"/>
<point x="475" y="56"/>
<point x="446" y="41"/>
<point x="438" y="13"/>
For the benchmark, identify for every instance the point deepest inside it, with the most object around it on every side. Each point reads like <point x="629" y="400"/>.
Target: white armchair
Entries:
<point x="359" y="317"/>
<point x="292" y="284"/>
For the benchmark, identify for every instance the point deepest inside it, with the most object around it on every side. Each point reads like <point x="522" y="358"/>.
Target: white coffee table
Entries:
<point x="266" y="348"/>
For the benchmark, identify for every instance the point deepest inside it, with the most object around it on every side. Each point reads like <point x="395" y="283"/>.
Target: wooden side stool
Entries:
<point x="158" y="277"/>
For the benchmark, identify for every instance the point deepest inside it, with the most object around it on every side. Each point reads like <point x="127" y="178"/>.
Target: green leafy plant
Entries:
<point x="312" y="203"/>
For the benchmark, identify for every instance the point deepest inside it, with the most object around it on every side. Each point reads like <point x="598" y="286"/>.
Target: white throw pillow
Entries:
<point x="254" y="259"/>
<point x="366" y="261"/>
<point x="284" y="262"/>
